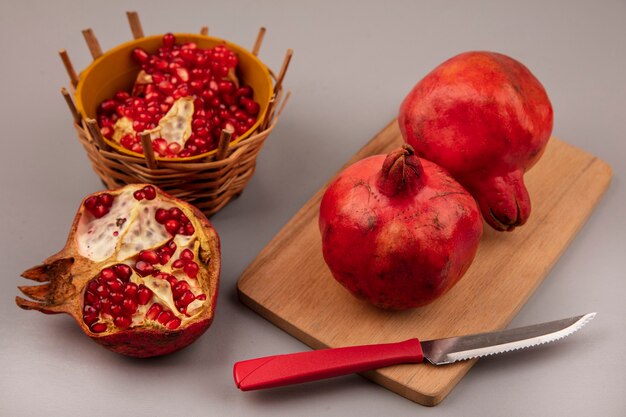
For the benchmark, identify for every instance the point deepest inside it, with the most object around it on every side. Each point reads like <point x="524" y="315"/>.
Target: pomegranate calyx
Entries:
<point x="58" y="288"/>
<point x="402" y="172"/>
<point x="505" y="198"/>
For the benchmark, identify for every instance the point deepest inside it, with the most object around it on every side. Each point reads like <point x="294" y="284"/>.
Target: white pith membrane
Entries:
<point x="118" y="237"/>
<point x="174" y="126"/>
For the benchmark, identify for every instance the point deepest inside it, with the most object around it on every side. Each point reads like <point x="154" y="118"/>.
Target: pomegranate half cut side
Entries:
<point x="139" y="272"/>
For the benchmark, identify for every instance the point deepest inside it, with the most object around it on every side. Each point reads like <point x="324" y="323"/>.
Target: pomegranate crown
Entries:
<point x="401" y="173"/>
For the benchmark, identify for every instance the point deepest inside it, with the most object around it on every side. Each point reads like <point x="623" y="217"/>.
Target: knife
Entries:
<point x="293" y="368"/>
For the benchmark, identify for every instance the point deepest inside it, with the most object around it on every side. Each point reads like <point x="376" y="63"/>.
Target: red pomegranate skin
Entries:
<point x="397" y="230"/>
<point x="486" y="119"/>
<point x="147" y="343"/>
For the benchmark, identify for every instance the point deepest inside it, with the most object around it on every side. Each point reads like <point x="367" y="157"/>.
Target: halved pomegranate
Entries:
<point x="139" y="272"/>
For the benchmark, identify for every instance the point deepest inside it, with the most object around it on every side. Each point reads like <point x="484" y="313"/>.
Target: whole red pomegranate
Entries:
<point x="486" y="119"/>
<point x="139" y="272"/>
<point x="397" y="230"/>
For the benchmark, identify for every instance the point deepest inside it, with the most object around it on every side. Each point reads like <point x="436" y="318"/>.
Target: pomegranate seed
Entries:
<point x="122" y="271"/>
<point x="244" y="91"/>
<point x="90" y="298"/>
<point x="251" y="106"/>
<point x="171" y="247"/>
<point x="200" y="143"/>
<point x="121" y="96"/>
<point x="122" y="322"/>
<point x="116" y="298"/>
<point x="106" y="199"/>
<point x="127" y="141"/>
<point x="173" y="148"/>
<point x="137" y="148"/>
<point x="102" y="291"/>
<point x="188" y="55"/>
<point x="90" y="202"/>
<point x="105" y="306"/>
<point x="149" y="256"/>
<point x="129" y="306"/>
<point x="90" y="310"/>
<point x="173" y="324"/>
<point x="107" y="274"/>
<point x="172" y="280"/>
<point x="186" y="299"/>
<point x="168" y="40"/>
<point x="140" y="55"/>
<point x="179" y="288"/>
<point x="166" y="87"/>
<point x="138" y="195"/>
<point x="201" y="297"/>
<point x="164" y="258"/>
<point x="144" y="268"/>
<point x="108" y="105"/>
<point x="90" y="319"/>
<point x="154" y="311"/>
<point x="177" y="264"/>
<point x="196" y="85"/>
<point x="175" y="213"/>
<point x="191" y="269"/>
<point x="164" y="317"/>
<point x="116" y="310"/>
<point x="182" y="91"/>
<point x="158" y="78"/>
<point x="172" y="226"/>
<point x="144" y="294"/>
<point x="186" y="255"/>
<point x="98" y="327"/>
<point x="161" y="215"/>
<point x="130" y="291"/>
<point x="99" y="211"/>
<point x="189" y="229"/>
<point x="115" y="286"/>
<point x="202" y="132"/>
<point x="149" y="192"/>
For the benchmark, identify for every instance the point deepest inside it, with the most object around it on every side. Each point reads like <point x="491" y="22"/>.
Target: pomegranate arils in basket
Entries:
<point x="116" y="275"/>
<point x="178" y="72"/>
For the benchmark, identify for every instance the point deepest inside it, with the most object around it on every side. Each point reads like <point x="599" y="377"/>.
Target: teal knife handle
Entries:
<point x="294" y="368"/>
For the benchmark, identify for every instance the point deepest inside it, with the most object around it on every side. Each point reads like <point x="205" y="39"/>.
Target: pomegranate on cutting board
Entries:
<point x="139" y="272"/>
<point x="486" y="119"/>
<point x="397" y="230"/>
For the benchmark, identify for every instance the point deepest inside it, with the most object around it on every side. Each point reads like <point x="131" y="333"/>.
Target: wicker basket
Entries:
<point x="209" y="181"/>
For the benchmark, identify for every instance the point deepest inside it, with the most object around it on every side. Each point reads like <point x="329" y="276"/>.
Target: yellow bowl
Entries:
<point x="116" y="70"/>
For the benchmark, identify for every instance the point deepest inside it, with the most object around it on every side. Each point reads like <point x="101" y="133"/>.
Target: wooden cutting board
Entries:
<point x="289" y="284"/>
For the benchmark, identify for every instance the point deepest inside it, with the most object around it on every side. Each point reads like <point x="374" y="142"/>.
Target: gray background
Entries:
<point x="353" y="64"/>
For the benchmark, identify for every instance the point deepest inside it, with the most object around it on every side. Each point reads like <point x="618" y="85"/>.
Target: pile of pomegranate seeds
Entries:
<point x="175" y="221"/>
<point x="173" y="72"/>
<point x="112" y="295"/>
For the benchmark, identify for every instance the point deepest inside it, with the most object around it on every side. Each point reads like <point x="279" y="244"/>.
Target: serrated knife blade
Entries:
<point x="279" y="370"/>
<point x="452" y="349"/>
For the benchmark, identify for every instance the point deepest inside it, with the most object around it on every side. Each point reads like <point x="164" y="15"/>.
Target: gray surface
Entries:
<point x="353" y="64"/>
